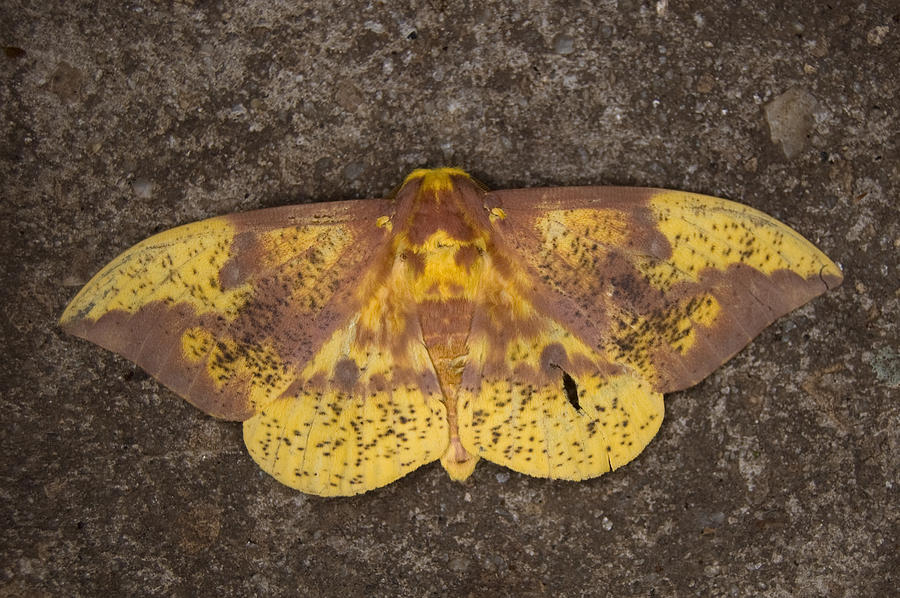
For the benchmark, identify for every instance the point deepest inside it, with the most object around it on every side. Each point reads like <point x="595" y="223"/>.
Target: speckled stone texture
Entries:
<point x="777" y="476"/>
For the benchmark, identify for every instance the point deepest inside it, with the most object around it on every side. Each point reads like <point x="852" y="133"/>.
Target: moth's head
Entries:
<point x="434" y="179"/>
<point x="446" y="199"/>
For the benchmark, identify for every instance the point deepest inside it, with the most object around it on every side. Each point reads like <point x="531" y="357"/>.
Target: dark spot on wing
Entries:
<point x="346" y="373"/>
<point x="571" y="389"/>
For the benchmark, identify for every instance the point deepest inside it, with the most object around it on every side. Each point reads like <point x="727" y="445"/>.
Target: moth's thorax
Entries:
<point x="440" y="234"/>
<point x="433" y="262"/>
<point x="440" y="240"/>
<point x="440" y="245"/>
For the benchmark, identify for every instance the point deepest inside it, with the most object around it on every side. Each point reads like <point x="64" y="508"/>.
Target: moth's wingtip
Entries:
<point x="66" y="318"/>
<point x="71" y="316"/>
<point x="832" y="275"/>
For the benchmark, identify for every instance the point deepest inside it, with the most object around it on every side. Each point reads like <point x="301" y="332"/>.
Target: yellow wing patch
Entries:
<point x="279" y="246"/>
<point x="227" y="361"/>
<point x="708" y="232"/>
<point x="331" y="444"/>
<point x="357" y="419"/>
<point x="181" y="265"/>
<point x="547" y="422"/>
<point x="677" y="328"/>
<point x="538" y="432"/>
<point x="568" y="230"/>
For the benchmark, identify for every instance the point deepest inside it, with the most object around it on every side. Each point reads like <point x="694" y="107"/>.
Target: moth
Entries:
<point x="534" y="328"/>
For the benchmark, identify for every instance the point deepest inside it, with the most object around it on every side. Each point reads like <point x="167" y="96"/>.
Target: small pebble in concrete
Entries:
<point x="790" y="118"/>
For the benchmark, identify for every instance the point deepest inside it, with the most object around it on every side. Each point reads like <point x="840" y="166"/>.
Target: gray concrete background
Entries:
<point x="776" y="476"/>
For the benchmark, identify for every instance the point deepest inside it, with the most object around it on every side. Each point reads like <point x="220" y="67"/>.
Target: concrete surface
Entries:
<point x="776" y="476"/>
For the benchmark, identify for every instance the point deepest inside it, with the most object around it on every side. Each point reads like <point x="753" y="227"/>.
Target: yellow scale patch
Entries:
<point x="442" y="277"/>
<point x="677" y="325"/>
<point x="260" y="367"/>
<point x="177" y="266"/>
<point x="371" y="359"/>
<point x="568" y="231"/>
<point x="373" y="436"/>
<point x="538" y="432"/>
<point x="575" y="241"/>
<point x="327" y="442"/>
<point x="707" y="232"/>
<point x="675" y="328"/>
<point x="703" y="312"/>
<point x="331" y="444"/>
<point x="528" y="351"/>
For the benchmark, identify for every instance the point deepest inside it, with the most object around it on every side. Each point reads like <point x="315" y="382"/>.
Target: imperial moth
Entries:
<point x="535" y="328"/>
